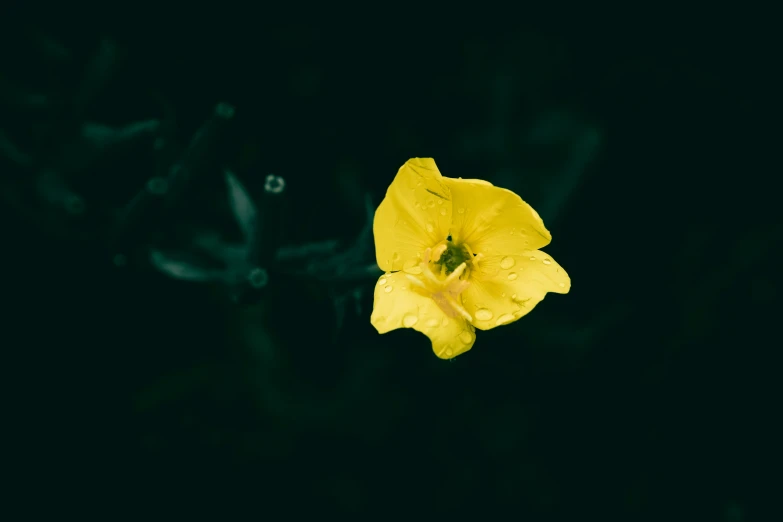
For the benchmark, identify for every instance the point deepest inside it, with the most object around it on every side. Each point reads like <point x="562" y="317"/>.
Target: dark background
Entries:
<point x="647" y="393"/>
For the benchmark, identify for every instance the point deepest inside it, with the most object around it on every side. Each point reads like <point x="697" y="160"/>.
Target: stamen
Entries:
<point x="438" y="251"/>
<point x="456" y="273"/>
<point x="458" y="308"/>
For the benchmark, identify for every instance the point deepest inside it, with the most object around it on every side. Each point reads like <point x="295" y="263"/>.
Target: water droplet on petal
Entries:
<point x="466" y="337"/>
<point x="258" y="277"/>
<point x="483" y="314"/>
<point x="396" y="256"/>
<point x="382" y="281"/>
<point x="561" y="285"/>
<point x="432" y="323"/>
<point x="388" y="288"/>
<point x="532" y="258"/>
<point x="503" y="319"/>
<point x="409" y="320"/>
<point x="449" y="352"/>
<point x="507" y="262"/>
<point x="444" y="321"/>
<point x="461" y="210"/>
<point x="440" y="202"/>
<point x="431" y="203"/>
<point x="430" y="228"/>
<point x="547" y="261"/>
<point x="274" y="184"/>
<point x="513" y="296"/>
<point x="443" y="211"/>
<point x="512" y="276"/>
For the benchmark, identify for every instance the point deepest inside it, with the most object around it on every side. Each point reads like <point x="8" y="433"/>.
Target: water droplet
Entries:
<point x="532" y="258"/>
<point x="444" y="321"/>
<point x="396" y="256"/>
<point x="274" y="184"/>
<point x="382" y="281"/>
<point x="503" y="319"/>
<point x="443" y="211"/>
<point x="377" y="319"/>
<point x="158" y="186"/>
<point x="387" y="288"/>
<point x="224" y="110"/>
<point x="561" y="285"/>
<point x="431" y="203"/>
<point x="449" y="352"/>
<point x="512" y="276"/>
<point x="513" y="296"/>
<point x="483" y="314"/>
<point x="507" y="262"/>
<point x="466" y="337"/>
<point x="503" y="294"/>
<point x="461" y="210"/>
<point x="258" y="278"/>
<point x="417" y="204"/>
<point x="409" y="320"/>
<point x="430" y="228"/>
<point x="547" y="261"/>
<point x="440" y="202"/>
<point x="432" y="323"/>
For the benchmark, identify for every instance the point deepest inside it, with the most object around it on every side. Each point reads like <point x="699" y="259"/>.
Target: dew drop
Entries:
<point x="461" y="210"/>
<point x="444" y="321"/>
<point x="449" y="352"/>
<point x="274" y="184"/>
<point x="387" y="288"/>
<point x="396" y="256"/>
<point x="442" y="211"/>
<point x="430" y="203"/>
<point x="409" y="320"/>
<point x="483" y="314"/>
<point x="503" y="319"/>
<point x="432" y="323"/>
<point x="513" y="296"/>
<point x="382" y="281"/>
<point x="532" y="258"/>
<point x="466" y="337"/>
<point x="547" y="261"/>
<point x="512" y="276"/>
<point x="561" y="285"/>
<point x="440" y="202"/>
<point x="503" y="294"/>
<point x="430" y="228"/>
<point x="507" y="262"/>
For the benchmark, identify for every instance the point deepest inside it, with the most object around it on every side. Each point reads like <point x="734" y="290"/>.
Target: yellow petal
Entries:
<point x="414" y="215"/>
<point x="396" y="306"/>
<point x="504" y="288"/>
<point x="493" y="220"/>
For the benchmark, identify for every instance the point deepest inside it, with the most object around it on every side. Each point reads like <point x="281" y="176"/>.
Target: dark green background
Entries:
<point x="647" y="393"/>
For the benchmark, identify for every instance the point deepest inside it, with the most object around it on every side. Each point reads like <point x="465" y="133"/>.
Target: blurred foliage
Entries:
<point x="144" y="357"/>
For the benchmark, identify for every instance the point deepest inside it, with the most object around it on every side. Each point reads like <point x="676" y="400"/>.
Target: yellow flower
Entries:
<point x="459" y="254"/>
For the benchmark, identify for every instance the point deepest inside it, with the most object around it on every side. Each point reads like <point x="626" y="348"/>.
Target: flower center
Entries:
<point x="444" y="271"/>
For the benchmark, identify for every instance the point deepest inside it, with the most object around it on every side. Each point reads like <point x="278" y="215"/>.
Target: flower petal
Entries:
<point x="493" y="220"/>
<point x="396" y="306"/>
<point x="414" y="215"/>
<point x="504" y="288"/>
